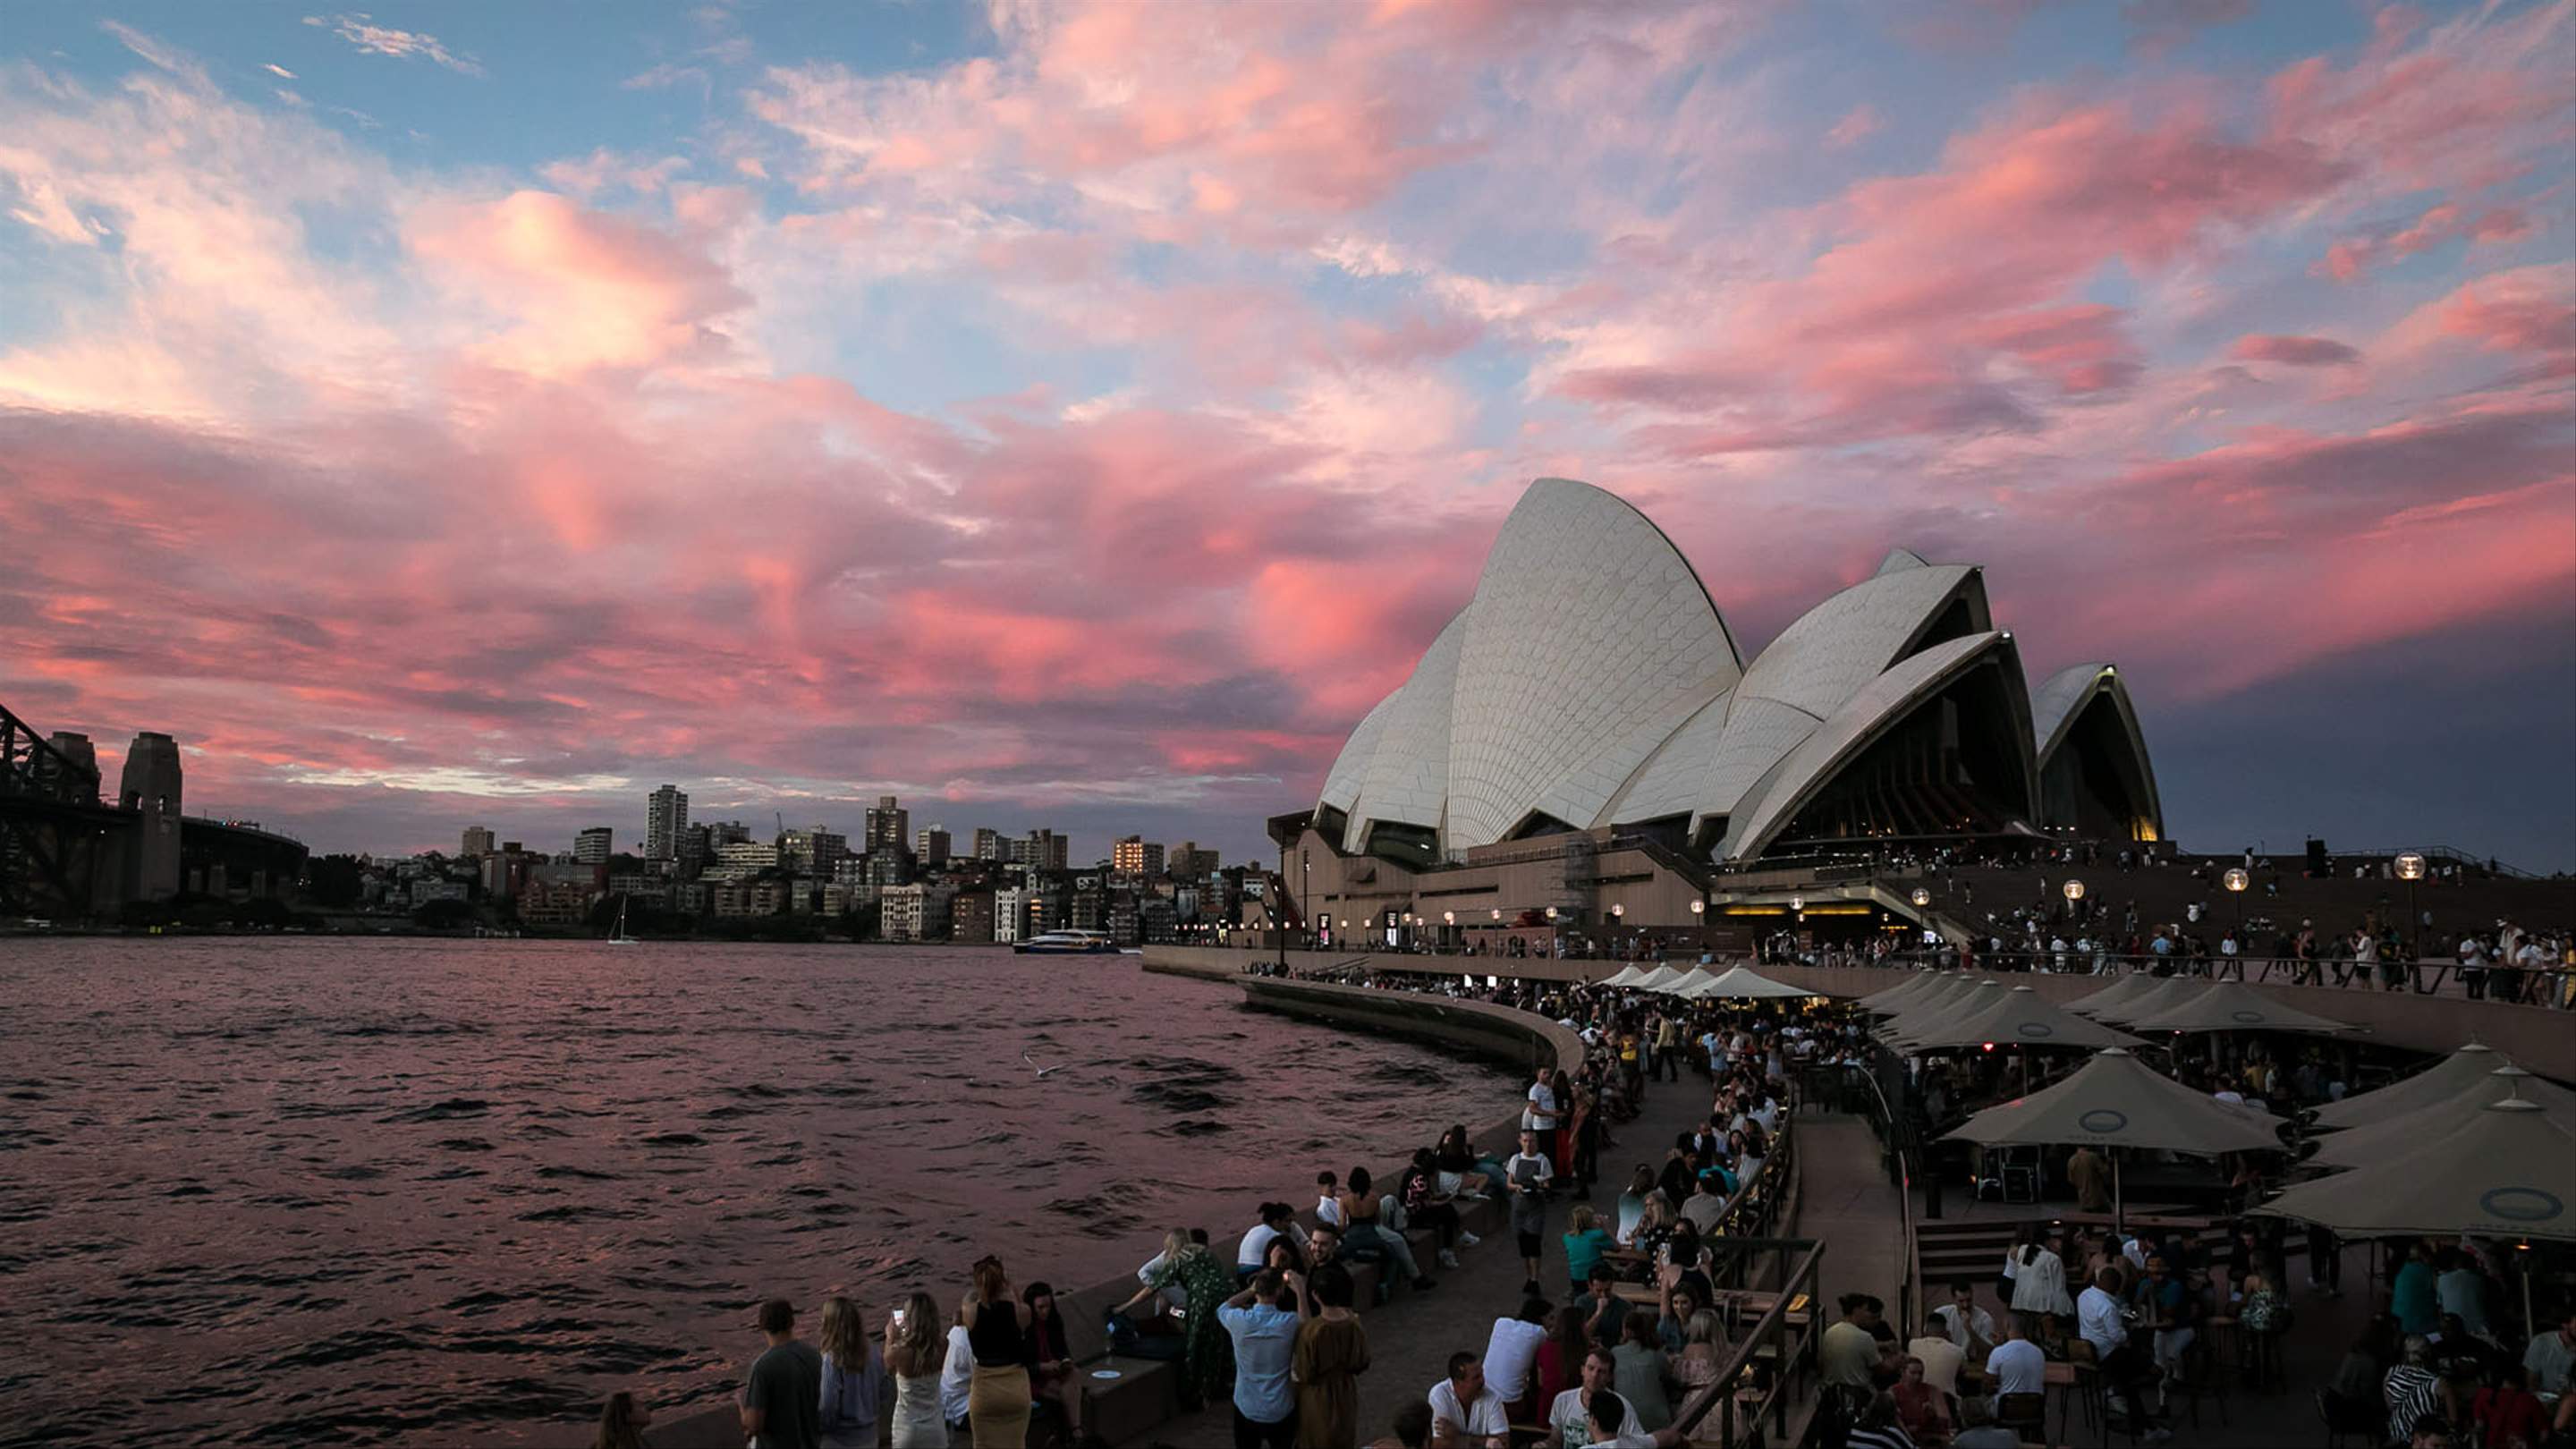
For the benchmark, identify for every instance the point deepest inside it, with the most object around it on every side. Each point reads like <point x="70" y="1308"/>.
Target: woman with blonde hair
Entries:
<point x="997" y="1331"/>
<point x="853" y="1377"/>
<point x="622" y="1422"/>
<point x="916" y="1349"/>
<point x="1703" y="1348"/>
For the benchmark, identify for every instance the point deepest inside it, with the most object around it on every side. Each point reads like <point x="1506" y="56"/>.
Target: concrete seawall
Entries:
<point x="1516" y="1040"/>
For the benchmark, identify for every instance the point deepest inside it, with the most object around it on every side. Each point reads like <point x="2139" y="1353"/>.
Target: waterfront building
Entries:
<point x="594" y="846"/>
<point x="427" y="888"/>
<point x="642" y="888"/>
<point x="1585" y="735"/>
<point x="913" y="912"/>
<point x="889" y="828"/>
<point x="814" y="850"/>
<point x="666" y="820"/>
<point x="1137" y="857"/>
<point x="930" y="847"/>
<point x="1010" y="913"/>
<point x="550" y="900"/>
<point x="478" y="842"/>
<point x="970" y="917"/>
<point x="748" y="898"/>
<point x="741" y="859"/>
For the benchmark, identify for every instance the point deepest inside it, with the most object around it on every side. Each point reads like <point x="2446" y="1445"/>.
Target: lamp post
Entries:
<point x="1448" y="928"/>
<point x="2410" y="869"/>
<point x="2236" y="880"/>
<point x="2074" y="896"/>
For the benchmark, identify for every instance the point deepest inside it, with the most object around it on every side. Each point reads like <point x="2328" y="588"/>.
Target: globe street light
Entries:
<point x="2410" y="869"/>
<point x="1922" y="897"/>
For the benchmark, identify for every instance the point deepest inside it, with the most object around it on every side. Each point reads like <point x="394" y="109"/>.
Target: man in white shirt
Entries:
<point x="2016" y="1366"/>
<point x="1464" y="1413"/>
<point x="2099" y="1322"/>
<point x="1569" y="1419"/>
<point x="1512" y="1348"/>
<point x="1940" y="1357"/>
<point x="1969" y="1328"/>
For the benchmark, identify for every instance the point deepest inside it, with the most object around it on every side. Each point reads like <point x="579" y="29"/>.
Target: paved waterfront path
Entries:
<point x="1410" y="1339"/>
<point x="1845" y="1198"/>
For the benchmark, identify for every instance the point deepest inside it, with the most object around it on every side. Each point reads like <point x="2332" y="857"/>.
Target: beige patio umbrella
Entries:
<point x="2230" y="1006"/>
<point x="1905" y="993"/>
<point x="2397" y="1136"/>
<point x="2021" y="1017"/>
<point x="2439" y="1082"/>
<point x="1968" y="995"/>
<point x="2509" y="1173"/>
<point x="2114" y="1101"/>
<point x="2131" y="984"/>
<point x="2162" y="996"/>
<point x="1743" y="983"/>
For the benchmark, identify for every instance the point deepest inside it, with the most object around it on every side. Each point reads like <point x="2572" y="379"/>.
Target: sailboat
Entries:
<point x="617" y="934"/>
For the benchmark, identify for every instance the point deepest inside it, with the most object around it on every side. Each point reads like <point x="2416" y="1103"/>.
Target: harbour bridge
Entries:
<point x="69" y="853"/>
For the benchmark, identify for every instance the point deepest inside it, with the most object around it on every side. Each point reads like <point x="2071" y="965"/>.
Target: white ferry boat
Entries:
<point x="1067" y="943"/>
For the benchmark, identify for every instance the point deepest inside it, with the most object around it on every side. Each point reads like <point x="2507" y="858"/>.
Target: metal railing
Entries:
<point x="1783" y="1338"/>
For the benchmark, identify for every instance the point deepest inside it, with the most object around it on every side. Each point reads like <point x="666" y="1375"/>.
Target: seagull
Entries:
<point x="1032" y="1061"/>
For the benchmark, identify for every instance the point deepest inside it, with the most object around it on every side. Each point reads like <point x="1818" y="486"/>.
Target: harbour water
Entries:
<point x="320" y="1191"/>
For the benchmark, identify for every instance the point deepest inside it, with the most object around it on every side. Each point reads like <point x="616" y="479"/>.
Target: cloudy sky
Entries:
<point x="1079" y="414"/>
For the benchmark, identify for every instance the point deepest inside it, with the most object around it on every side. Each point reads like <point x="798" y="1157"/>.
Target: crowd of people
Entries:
<point x="1272" y="1332"/>
<point x="1624" y="1309"/>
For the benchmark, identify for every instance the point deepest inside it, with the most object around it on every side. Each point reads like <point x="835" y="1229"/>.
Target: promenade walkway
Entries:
<point x="1846" y="1200"/>
<point x="1410" y="1339"/>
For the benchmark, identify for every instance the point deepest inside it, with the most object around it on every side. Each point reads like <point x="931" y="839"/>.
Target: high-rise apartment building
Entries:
<point x="930" y="847"/>
<point x="478" y="842"/>
<point x="989" y="844"/>
<point x="1042" y="850"/>
<point x="814" y="850"/>
<point x="889" y="828"/>
<point x="594" y="846"/>
<point x="1010" y="913"/>
<point x="1186" y="860"/>
<point x="666" y="819"/>
<point x="1134" y="855"/>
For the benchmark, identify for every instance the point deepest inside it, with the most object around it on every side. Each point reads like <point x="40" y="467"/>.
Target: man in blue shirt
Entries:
<point x="1262" y="1320"/>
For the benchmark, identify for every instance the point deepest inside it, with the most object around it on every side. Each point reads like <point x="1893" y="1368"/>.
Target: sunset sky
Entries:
<point x="1079" y="414"/>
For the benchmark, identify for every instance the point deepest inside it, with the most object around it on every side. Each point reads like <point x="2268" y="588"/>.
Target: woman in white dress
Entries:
<point x="916" y="1348"/>
<point x="2039" y="1289"/>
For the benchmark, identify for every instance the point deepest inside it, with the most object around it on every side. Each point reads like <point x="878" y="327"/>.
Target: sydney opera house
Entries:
<point x="1585" y="737"/>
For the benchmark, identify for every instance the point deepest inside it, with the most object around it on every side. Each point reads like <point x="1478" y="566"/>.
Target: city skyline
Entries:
<point x="1042" y="415"/>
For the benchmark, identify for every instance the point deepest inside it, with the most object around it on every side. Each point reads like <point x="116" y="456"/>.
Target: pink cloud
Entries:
<point x="1857" y="125"/>
<point x="577" y="289"/>
<point x="2293" y="351"/>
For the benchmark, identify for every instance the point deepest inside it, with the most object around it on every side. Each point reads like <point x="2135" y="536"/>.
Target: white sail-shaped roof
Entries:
<point x="1672" y="778"/>
<point x="1408" y="774"/>
<point x="1882" y="702"/>
<point x="1351" y="766"/>
<point x="1585" y="626"/>
<point x="1589" y="682"/>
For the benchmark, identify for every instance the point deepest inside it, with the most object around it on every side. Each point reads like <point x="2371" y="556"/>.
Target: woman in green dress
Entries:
<point x="1207" y="1353"/>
